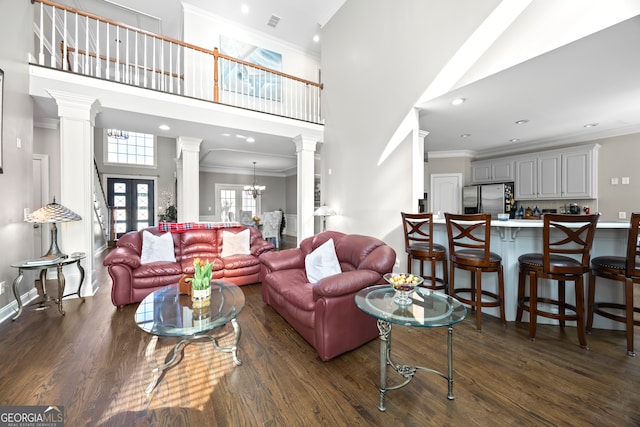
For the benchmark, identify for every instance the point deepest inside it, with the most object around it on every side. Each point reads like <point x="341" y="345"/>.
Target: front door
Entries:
<point x="132" y="204"/>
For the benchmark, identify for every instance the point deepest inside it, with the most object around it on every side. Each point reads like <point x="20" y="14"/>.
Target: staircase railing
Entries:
<point x="98" y="47"/>
<point x="100" y="205"/>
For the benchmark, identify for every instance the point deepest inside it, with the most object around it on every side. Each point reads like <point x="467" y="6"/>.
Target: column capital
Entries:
<point x="185" y="143"/>
<point x="76" y="106"/>
<point x="305" y="143"/>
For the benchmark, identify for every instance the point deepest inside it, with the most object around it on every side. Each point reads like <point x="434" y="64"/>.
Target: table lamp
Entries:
<point x="324" y="211"/>
<point x="53" y="213"/>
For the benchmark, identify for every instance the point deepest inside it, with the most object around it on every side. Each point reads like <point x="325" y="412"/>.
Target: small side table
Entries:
<point x="43" y="266"/>
<point x="429" y="309"/>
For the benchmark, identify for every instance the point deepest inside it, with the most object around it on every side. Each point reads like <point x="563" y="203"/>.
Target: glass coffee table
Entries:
<point x="428" y="309"/>
<point x="166" y="313"/>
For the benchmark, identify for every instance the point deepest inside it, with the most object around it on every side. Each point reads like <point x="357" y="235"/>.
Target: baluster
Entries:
<point x="117" y="64"/>
<point x="136" y="61"/>
<point x="127" y="68"/>
<point x="170" y="67"/>
<point x="178" y="82"/>
<point x="146" y="72"/>
<point x="86" y="44"/>
<point x="76" y="42"/>
<point x="41" y="54"/>
<point x="98" y="60"/>
<point x="53" y="40"/>
<point x="108" y="61"/>
<point x="153" y="67"/>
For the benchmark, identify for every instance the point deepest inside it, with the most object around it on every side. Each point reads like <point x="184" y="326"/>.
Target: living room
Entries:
<point x="369" y="204"/>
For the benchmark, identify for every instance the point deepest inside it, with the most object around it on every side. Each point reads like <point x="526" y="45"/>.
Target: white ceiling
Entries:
<point x="595" y="79"/>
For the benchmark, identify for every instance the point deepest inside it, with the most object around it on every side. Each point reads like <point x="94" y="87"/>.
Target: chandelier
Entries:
<point x="254" y="189"/>
<point x="118" y="134"/>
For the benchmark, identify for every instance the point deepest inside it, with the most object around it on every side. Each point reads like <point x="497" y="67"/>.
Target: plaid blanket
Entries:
<point x="181" y="227"/>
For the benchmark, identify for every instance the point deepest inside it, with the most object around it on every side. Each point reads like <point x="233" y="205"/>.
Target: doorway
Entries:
<point x="446" y="192"/>
<point x="132" y="204"/>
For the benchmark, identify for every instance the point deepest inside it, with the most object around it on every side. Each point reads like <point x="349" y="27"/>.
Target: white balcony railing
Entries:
<point x="83" y="43"/>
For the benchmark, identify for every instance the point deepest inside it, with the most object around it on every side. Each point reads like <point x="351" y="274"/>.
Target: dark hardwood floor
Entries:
<point x="92" y="362"/>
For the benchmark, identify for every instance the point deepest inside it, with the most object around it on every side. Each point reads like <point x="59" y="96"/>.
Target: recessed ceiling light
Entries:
<point x="251" y="139"/>
<point x="591" y="125"/>
<point x="316" y="38"/>
<point x="164" y="127"/>
<point x="240" y="136"/>
<point x="465" y="135"/>
<point x="226" y="134"/>
<point x="521" y="122"/>
<point x="244" y="9"/>
<point x="458" y="101"/>
<point x="514" y="140"/>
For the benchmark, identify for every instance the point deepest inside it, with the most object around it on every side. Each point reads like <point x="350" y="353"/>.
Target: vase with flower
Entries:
<point x="201" y="283"/>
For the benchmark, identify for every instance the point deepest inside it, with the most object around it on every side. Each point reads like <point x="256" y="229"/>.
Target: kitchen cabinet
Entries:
<point x="496" y="170"/>
<point x="557" y="174"/>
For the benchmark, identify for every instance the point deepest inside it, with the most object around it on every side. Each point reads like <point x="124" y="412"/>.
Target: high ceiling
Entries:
<point x="593" y="80"/>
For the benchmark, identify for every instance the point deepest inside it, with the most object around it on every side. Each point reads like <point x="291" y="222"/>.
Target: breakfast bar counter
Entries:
<point x="516" y="237"/>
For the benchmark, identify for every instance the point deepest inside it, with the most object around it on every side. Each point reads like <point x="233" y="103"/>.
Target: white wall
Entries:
<point x="376" y="62"/>
<point x="204" y="29"/>
<point x="16" y="186"/>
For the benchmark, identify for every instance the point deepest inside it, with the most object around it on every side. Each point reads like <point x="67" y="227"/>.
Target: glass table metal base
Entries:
<point x="405" y="370"/>
<point x="428" y="309"/>
<point x="178" y="352"/>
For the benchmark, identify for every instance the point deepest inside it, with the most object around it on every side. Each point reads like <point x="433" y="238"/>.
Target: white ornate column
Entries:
<point x="417" y="176"/>
<point x="77" y="121"/>
<point x="305" y="150"/>
<point x="189" y="178"/>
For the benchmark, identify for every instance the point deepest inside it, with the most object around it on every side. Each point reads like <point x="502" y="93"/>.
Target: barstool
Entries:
<point x="418" y="243"/>
<point x="562" y="235"/>
<point x="469" y="249"/>
<point x="621" y="269"/>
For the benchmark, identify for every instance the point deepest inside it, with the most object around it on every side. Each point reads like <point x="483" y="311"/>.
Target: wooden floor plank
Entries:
<point x="92" y="362"/>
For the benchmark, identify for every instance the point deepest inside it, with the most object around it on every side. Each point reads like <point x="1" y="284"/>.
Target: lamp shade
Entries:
<point x="53" y="212"/>
<point x="324" y="210"/>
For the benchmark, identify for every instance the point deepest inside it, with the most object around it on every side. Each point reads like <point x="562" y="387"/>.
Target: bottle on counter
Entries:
<point x="536" y="212"/>
<point x="520" y="213"/>
<point x="528" y="213"/>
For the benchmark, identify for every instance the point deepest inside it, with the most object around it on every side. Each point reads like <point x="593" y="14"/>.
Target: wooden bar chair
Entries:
<point x="563" y="238"/>
<point x="418" y="243"/>
<point x="622" y="270"/>
<point x="469" y="249"/>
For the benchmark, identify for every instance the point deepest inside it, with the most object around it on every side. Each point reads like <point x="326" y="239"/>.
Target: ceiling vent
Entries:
<point x="273" y="21"/>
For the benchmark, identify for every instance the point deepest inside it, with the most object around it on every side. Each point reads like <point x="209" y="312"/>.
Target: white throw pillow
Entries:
<point x="322" y="262"/>
<point x="157" y="248"/>
<point x="236" y="243"/>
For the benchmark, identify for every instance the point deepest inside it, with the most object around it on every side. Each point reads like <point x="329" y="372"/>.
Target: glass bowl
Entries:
<point x="404" y="285"/>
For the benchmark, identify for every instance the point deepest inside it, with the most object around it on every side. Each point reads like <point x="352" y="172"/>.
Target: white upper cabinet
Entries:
<point x="496" y="170"/>
<point x="557" y="174"/>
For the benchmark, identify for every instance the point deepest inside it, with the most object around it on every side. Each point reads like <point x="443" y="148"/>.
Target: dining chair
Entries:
<point x="271" y="227"/>
<point x="469" y="238"/>
<point x="619" y="269"/>
<point x="419" y="245"/>
<point x="566" y="245"/>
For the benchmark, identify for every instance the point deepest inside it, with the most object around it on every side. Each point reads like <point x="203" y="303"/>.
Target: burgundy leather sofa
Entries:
<point x="132" y="281"/>
<point x="324" y="313"/>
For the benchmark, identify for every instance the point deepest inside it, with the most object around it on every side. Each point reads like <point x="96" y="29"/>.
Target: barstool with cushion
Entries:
<point x="469" y="249"/>
<point x="621" y="269"/>
<point x="564" y="238"/>
<point x="418" y="243"/>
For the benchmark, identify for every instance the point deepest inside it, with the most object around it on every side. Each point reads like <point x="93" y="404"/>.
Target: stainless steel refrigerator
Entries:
<point x="488" y="198"/>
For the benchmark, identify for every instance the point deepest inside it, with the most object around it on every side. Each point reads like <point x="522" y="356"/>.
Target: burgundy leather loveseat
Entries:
<point x="324" y="313"/>
<point x="132" y="280"/>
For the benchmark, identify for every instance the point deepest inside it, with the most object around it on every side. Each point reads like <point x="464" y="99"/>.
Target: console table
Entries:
<point x="43" y="265"/>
